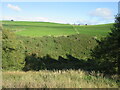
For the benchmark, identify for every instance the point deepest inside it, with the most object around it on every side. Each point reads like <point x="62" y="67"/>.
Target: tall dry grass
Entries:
<point x="55" y="79"/>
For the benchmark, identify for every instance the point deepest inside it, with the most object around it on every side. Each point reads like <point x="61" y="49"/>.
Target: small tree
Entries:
<point x="107" y="52"/>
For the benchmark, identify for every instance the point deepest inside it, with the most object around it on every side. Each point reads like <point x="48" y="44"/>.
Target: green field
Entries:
<point x="94" y="30"/>
<point x="39" y="28"/>
<point x="54" y="29"/>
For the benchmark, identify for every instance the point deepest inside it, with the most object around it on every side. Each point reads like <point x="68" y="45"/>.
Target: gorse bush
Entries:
<point x="12" y="51"/>
<point x="107" y="52"/>
<point x="78" y="46"/>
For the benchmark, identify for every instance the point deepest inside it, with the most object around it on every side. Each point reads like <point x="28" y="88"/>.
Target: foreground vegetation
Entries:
<point x="56" y="79"/>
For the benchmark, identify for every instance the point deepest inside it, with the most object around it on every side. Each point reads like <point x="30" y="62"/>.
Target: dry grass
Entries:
<point x="55" y="79"/>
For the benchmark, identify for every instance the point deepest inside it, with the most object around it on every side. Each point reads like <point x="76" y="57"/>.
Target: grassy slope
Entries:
<point x="39" y="28"/>
<point x="46" y="28"/>
<point x="56" y="79"/>
<point x="94" y="30"/>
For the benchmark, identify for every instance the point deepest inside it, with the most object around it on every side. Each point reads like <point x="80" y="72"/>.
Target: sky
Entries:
<point x="61" y="12"/>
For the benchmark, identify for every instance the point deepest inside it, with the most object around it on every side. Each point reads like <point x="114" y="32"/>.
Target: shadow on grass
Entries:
<point x="47" y="63"/>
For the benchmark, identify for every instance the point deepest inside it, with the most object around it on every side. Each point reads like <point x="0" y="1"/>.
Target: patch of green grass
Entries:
<point x="55" y="79"/>
<point x="39" y="28"/>
<point x="45" y="31"/>
<point x="94" y="30"/>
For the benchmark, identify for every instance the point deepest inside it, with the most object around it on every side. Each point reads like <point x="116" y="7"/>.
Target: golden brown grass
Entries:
<point x="55" y="79"/>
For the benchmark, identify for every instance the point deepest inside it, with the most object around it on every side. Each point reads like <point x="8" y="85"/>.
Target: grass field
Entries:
<point x="56" y="79"/>
<point x="39" y="28"/>
<point x="54" y="29"/>
<point x="94" y="30"/>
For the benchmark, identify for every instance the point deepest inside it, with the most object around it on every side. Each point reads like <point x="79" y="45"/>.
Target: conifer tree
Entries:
<point x="107" y="52"/>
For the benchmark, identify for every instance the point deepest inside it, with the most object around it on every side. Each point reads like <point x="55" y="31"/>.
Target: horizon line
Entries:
<point x="54" y="22"/>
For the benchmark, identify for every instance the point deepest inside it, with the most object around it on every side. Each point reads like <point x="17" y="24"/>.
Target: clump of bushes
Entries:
<point x="12" y="51"/>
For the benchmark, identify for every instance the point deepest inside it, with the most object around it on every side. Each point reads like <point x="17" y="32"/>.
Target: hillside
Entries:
<point x="37" y="29"/>
<point x="94" y="30"/>
<point x="65" y="55"/>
